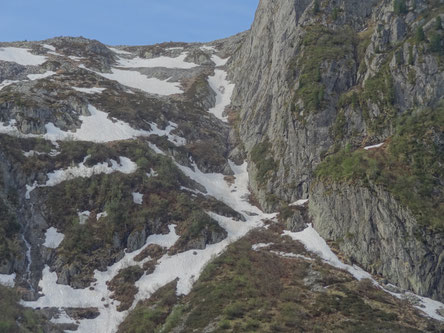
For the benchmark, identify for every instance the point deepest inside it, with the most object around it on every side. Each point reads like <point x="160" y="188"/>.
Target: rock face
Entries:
<point x="315" y="77"/>
<point x="375" y="231"/>
<point x="265" y="85"/>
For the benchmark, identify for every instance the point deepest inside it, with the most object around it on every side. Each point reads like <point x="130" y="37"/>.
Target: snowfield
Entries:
<point x="21" y="56"/>
<point x="82" y="171"/>
<point x="166" y="62"/>
<point x="110" y="130"/>
<point x="134" y="79"/>
<point x="224" y="90"/>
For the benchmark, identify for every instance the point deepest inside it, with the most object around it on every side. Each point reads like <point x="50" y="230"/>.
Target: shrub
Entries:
<point x="438" y="23"/>
<point x="235" y="310"/>
<point x="265" y="165"/>
<point x="435" y="43"/>
<point x="419" y="35"/>
<point x="400" y="7"/>
<point x="316" y="7"/>
<point x="335" y="14"/>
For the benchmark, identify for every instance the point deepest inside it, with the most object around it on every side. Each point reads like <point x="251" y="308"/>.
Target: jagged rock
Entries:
<point x="298" y="221"/>
<point x="136" y="240"/>
<point x="82" y="313"/>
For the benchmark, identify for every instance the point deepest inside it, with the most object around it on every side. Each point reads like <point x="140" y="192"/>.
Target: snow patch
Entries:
<point x="29" y="189"/>
<point x="76" y="58"/>
<point x="89" y="90"/>
<point x="134" y="79"/>
<point x="156" y="149"/>
<point x="100" y="215"/>
<point x="166" y="62"/>
<point x="186" y="266"/>
<point x="84" y="216"/>
<point x="177" y="140"/>
<point x="49" y="47"/>
<point x="430" y="307"/>
<point x="291" y="255"/>
<point x="208" y="48"/>
<point x="62" y="296"/>
<point x="7" y="280"/>
<point x="32" y="153"/>
<point x="299" y="203"/>
<point x="53" y="238"/>
<point x="218" y="61"/>
<point x="374" y="146"/>
<point x="313" y="242"/>
<point x="137" y="198"/>
<point x="152" y="173"/>
<point x="88" y="131"/>
<point x="118" y="51"/>
<point x="33" y="77"/>
<point x="81" y="171"/>
<point x="259" y="246"/>
<point x="6" y="83"/>
<point x="21" y="56"/>
<point x="224" y="90"/>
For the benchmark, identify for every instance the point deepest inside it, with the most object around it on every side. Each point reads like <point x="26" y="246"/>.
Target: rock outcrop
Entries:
<point x="376" y="232"/>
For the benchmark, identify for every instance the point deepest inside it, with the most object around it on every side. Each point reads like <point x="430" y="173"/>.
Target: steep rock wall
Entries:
<point x="312" y="81"/>
<point x="375" y="231"/>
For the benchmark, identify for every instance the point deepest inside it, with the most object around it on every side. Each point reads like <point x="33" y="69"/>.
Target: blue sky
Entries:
<point x="131" y="22"/>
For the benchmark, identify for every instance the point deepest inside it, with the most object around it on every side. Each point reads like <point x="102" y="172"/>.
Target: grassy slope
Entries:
<point x="258" y="291"/>
<point x="16" y="319"/>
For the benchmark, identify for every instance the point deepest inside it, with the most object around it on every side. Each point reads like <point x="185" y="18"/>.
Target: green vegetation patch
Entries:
<point x="410" y="168"/>
<point x="149" y="316"/>
<point x="257" y="291"/>
<point x="320" y="45"/>
<point x="265" y="165"/>
<point x="16" y="319"/>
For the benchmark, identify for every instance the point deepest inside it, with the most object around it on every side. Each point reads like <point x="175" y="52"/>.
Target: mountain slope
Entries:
<point x="139" y="184"/>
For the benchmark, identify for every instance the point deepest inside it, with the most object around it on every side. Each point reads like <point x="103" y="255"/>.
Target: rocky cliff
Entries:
<point x="317" y="81"/>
